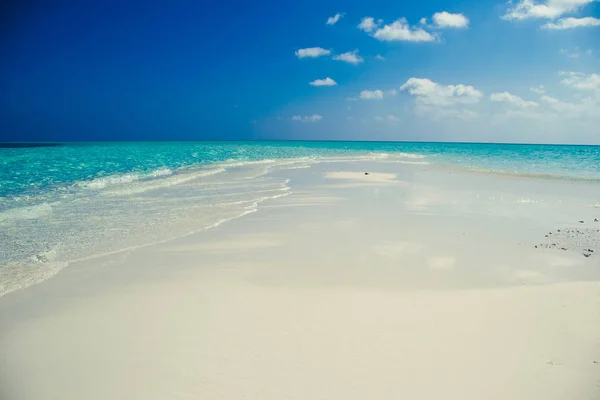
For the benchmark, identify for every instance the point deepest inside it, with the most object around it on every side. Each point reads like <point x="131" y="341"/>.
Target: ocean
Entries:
<point x="69" y="201"/>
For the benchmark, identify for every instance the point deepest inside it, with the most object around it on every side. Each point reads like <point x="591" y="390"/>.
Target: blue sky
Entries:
<point x="526" y="71"/>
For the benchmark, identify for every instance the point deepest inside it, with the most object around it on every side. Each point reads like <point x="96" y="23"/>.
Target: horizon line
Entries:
<point x="289" y="140"/>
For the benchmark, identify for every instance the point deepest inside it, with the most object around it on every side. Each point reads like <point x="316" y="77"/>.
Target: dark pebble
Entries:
<point x="366" y="173"/>
<point x="595" y="219"/>
<point x="581" y="222"/>
<point x="586" y="255"/>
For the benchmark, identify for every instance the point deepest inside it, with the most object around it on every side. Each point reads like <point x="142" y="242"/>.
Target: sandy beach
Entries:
<point x="410" y="282"/>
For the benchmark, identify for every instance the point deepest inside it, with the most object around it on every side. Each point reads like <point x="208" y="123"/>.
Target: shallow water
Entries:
<point x="64" y="202"/>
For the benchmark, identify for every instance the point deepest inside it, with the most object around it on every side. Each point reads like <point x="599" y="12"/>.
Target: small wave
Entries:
<point x="44" y="257"/>
<point x="286" y="191"/>
<point x="254" y="206"/>
<point x="101" y="183"/>
<point x="409" y="155"/>
<point x="299" y="167"/>
<point x="233" y="163"/>
<point x="414" y="162"/>
<point x="379" y="156"/>
<point x="23" y="213"/>
<point x="120" y="179"/>
<point x="250" y="211"/>
<point x="20" y="275"/>
<point x="161" y="172"/>
<point x="254" y="203"/>
<point x="163" y="183"/>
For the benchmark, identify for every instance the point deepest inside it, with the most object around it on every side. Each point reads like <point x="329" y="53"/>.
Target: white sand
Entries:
<point x="430" y="290"/>
<point x="361" y="176"/>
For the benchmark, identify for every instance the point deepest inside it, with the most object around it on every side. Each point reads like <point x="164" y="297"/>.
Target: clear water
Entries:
<point x="71" y="201"/>
<point x="29" y="170"/>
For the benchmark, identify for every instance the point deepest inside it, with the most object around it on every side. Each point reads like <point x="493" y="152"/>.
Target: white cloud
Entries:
<point x="368" y="24"/>
<point x="465" y="115"/>
<point x="571" y="54"/>
<point x="380" y="57"/>
<point x="539" y="90"/>
<point x="334" y="19"/>
<point x="312" y="52"/>
<point x="392" y="92"/>
<point x="437" y="113"/>
<point x="445" y="19"/>
<point x="423" y="21"/>
<point x="392" y="118"/>
<point x="440" y="102"/>
<point x="568" y="112"/>
<point x="401" y="31"/>
<point x="549" y="100"/>
<point x="307" y="118"/>
<point x="579" y="81"/>
<point x="553" y="112"/>
<point x="323" y="82"/>
<point x="430" y="93"/>
<point x="351" y="57"/>
<point x="371" y="95"/>
<point x="549" y="9"/>
<point x="575" y="53"/>
<point x="523" y="114"/>
<point x="572" y="23"/>
<point x="512" y="99"/>
<point x="587" y="107"/>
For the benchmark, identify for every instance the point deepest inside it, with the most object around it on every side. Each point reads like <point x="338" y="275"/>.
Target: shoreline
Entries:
<point x="312" y="140"/>
<point x="279" y="167"/>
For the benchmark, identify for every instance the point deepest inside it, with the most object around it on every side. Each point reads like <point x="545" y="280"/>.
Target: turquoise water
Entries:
<point x="34" y="169"/>
<point x="65" y="202"/>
